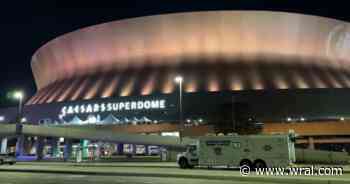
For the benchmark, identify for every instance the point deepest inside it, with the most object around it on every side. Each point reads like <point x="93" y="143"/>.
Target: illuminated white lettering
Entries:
<point x="88" y="108"/>
<point x="82" y="109"/>
<point x="147" y="104"/>
<point x="155" y="104"/>
<point x="121" y="106"/>
<point x="76" y="109"/>
<point x="63" y="111"/>
<point x="115" y="106"/>
<point x="70" y="110"/>
<point x="127" y="105"/>
<point x="103" y="107"/>
<point x="139" y="105"/>
<point x="109" y="107"/>
<point x="96" y="108"/>
<point x="133" y="105"/>
<point x="162" y="104"/>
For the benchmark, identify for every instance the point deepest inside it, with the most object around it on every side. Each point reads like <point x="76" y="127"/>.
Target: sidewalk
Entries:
<point x="104" y="164"/>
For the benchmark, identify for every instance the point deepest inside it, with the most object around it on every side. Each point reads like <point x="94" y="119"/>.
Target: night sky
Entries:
<point x="26" y="25"/>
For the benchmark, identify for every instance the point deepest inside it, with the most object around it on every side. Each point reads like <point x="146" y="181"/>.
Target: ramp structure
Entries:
<point x="7" y="130"/>
<point x="94" y="134"/>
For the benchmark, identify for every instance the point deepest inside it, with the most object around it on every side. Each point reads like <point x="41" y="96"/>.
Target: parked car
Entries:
<point x="7" y="158"/>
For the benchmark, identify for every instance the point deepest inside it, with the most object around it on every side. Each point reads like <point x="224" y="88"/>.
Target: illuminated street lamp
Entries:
<point x="18" y="95"/>
<point x="23" y="120"/>
<point x="178" y="80"/>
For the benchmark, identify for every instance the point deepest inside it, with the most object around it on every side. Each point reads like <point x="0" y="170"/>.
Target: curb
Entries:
<point x="87" y="165"/>
<point x="73" y="164"/>
<point x="186" y="176"/>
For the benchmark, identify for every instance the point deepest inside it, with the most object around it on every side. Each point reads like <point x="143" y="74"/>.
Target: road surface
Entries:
<point x="146" y="173"/>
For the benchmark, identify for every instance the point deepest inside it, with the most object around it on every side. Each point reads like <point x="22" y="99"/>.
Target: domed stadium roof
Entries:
<point x="216" y="50"/>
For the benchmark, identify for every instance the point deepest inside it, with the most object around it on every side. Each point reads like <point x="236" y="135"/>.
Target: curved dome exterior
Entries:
<point x="214" y="51"/>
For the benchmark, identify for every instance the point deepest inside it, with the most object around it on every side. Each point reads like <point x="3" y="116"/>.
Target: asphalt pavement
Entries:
<point x="36" y="178"/>
<point x="127" y="172"/>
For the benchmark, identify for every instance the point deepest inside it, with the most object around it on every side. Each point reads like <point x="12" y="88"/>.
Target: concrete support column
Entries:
<point x="120" y="149"/>
<point x="31" y="145"/>
<point x="85" y="149"/>
<point x="146" y="150"/>
<point x="20" y="145"/>
<point x="4" y="145"/>
<point x="54" y="147"/>
<point x="67" y="150"/>
<point x="163" y="154"/>
<point x="311" y="143"/>
<point x="98" y="151"/>
<point x="133" y="149"/>
<point x="40" y="143"/>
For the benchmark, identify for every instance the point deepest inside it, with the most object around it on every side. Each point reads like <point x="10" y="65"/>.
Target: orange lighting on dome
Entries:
<point x="213" y="84"/>
<point x="35" y="98"/>
<point x="109" y="90"/>
<point x="54" y="95"/>
<point x="318" y="82"/>
<point x="128" y="87"/>
<point x="236" y="84"/>
<point x="93" y="90"/>
<point x="49" y="92"/>
<point x="256" y="80"/>
<point x="149" y="86"/>
<point x="346" y="80"/>
<point x="336" y="83"/>
<point x="79" y="91"/>
<point x="169" y="85"/>
<point x="61" y="89"/>
<point x="300" y="82"/>
<point x="190" y="86"/>
<point x="281" y="83"/>
<point x="68" y="91"/>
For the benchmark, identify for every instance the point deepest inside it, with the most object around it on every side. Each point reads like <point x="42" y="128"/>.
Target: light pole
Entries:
<point x="19" y="96"/>
<point x="179" y="80"/>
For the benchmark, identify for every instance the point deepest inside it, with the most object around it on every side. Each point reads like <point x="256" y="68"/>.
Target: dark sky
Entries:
<point x="26" y="25"/>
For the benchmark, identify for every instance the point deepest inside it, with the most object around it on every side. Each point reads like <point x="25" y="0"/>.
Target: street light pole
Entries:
<point x="179" y="80"/>
<point x="20" y="107"/>
<point x="19" y="96"/>
<point x="180" y="101"/>
<point x="19" y="145"/>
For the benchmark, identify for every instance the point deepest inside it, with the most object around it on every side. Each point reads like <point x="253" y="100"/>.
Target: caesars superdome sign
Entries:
<point x="87" y="108"/>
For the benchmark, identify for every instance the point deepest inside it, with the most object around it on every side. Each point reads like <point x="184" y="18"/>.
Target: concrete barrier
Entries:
<point x="321" y="157"/>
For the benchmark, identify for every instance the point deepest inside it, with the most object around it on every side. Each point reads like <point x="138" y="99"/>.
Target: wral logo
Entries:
<point x="112" y="107"/>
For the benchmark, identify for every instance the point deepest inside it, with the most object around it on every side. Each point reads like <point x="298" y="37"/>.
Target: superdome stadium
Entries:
<point x="214" y="51"/>
<point x="286" y="70"/>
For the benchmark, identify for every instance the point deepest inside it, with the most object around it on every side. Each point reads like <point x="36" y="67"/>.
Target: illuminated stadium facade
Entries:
<point x="216" y="51"/>
<point x="236" y="65"/>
